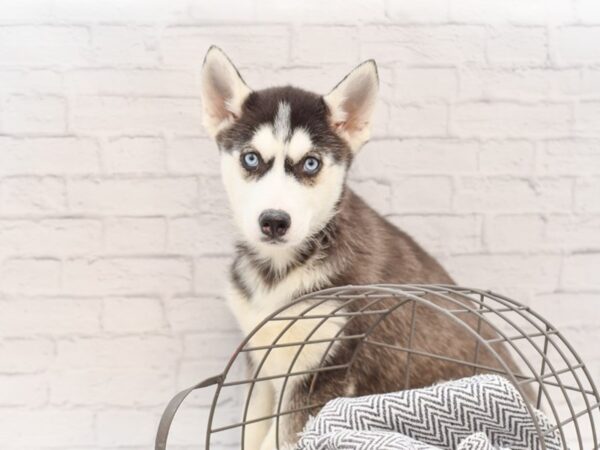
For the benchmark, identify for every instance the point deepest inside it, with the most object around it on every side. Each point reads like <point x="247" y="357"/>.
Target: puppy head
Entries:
<point x="284" y="151"/>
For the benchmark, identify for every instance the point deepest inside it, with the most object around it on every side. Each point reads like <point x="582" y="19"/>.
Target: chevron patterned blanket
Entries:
<point x="483" y="412"/>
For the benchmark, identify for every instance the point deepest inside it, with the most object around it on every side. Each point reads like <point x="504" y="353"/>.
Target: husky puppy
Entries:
<point x="285" y="155"/>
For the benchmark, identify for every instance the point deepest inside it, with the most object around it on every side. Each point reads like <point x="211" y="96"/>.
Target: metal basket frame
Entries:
<point x="484" y="305"/>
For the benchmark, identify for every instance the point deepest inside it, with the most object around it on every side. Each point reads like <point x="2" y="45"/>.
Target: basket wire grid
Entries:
<point x="548" y="370"/>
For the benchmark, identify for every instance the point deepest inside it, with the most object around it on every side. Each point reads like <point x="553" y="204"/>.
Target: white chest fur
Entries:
<point x="250" y="312"/>
<point x="291" y="356"/>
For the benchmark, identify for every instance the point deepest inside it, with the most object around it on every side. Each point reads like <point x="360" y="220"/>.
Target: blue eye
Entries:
<point x="250" y="160"/>
<point x="311" y="165"/>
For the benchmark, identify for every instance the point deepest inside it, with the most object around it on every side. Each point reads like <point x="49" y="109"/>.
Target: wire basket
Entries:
<point x="520" y="344"/>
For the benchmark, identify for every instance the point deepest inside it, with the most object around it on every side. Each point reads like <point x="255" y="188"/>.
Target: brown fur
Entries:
<point x="362" y="248"/>
<point x="368" y="250"/>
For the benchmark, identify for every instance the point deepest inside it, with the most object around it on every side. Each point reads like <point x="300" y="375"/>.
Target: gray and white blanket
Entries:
<point x="483" y="412"/>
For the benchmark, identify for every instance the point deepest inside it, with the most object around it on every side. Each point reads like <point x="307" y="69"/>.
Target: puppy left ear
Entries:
<point x="351" y="104"/>
<point x="223" y="91"/>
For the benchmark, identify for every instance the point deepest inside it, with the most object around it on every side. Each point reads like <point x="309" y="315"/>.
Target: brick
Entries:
<point x="135" y="155"/>
<point x="138" y="82"/>
<point x="50" y="316"/>
<point x="125" y="45"/>
<point x="587" y="195"/>
<point x="53" y="428"/>
<point x="23" y="390"/>
<point x="378" y="194"/>
<point x="427" y="11"/>
<point x="569" y="157"/>
<point x="226" y="11"/>
<point x="116" y="11"/>
<point x="135" y="235"/>
<point x="519" y="83"/>
<point x="512" y="11"/>
<point x="503" y="119"/>
<point x="422" y="194"/>
<point x="30" y="276"/>
<point x="425" y="84"/>
<point x="25" y="355"/>
<point x="150" y="352"/>
<point x="513" y="233"/>
<point x="26" y="10"/>
<point x="211" y="234"/>
<point x="418" y="120"/>
<point x="443" y="233"/>
<point x="506" y="194"/>
<point x="64" y="236"/>
<point x="568" y="309"/>
<point x="28" y="82"/>
<point x="125" y="427"/>
<point x="424" y="45"/>
<point x="216" y="347"/>
<point x="132" y="315"/>
<point x="56" y="155"/>
<point x="381" y="121"/>
<point x="329" y="44"/>
<point x="580" y="272"/>
<point x="213" y="198"/>
<point x="196" y="156"/>
<point x="189" y="314"/>
<point x="517" y="46"/>
<point x="311" y="11"/>
<point x="580" y="232"/>
<point x="507" y="157"/>
<point x="504" y="272"/>
<point x="135" y="196"/>
<point x="387" y="159"/>
<point x="44" y="45"/>
<point x="590" y="82"/>
<point x="126" y="276"/>
<point x="130" y="387"/>
<point x="587" y="115"/>
<point x="588" y="11"/>
<point x="211" y="274"/>
<point x="184" y="46"/>
<point x="145" y="115"/>
<point x="40" y="114"/>
<point x="568" y="47"/>
<point x="29" y="195"/>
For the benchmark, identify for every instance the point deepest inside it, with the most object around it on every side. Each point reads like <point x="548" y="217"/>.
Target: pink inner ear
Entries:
<point x="339" y="126"/>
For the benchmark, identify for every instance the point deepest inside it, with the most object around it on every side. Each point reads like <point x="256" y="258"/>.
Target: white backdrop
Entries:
<point x="114" y="231"/>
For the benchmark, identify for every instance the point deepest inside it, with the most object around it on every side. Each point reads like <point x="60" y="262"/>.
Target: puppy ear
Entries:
<point x="351" y="104"/>
<point x="223" y="91"/>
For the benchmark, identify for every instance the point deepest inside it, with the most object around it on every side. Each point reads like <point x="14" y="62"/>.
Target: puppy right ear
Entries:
<point x="223" y="91"/>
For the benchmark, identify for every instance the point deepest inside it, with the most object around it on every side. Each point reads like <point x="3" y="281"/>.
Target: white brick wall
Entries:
<point x="114" y="230"/>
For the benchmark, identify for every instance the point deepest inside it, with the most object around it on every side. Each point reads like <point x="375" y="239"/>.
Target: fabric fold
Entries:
<point x="483" y="412"/>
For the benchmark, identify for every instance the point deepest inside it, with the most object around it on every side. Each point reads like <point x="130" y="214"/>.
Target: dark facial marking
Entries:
<point x="255" y="172"/>
<point x="307" y="110"/>
<point x="298" y="169"/>
<point x="237" y="280"/>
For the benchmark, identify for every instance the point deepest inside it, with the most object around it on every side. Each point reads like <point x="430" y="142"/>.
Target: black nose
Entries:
<point x="274" y="223"/>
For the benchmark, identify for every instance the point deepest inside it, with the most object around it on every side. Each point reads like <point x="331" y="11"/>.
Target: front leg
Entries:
<point x="261" y="405"/>
<point x="285" y="441"/>
<point x="289" y="424"/>
<point x="270" y="438"/>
